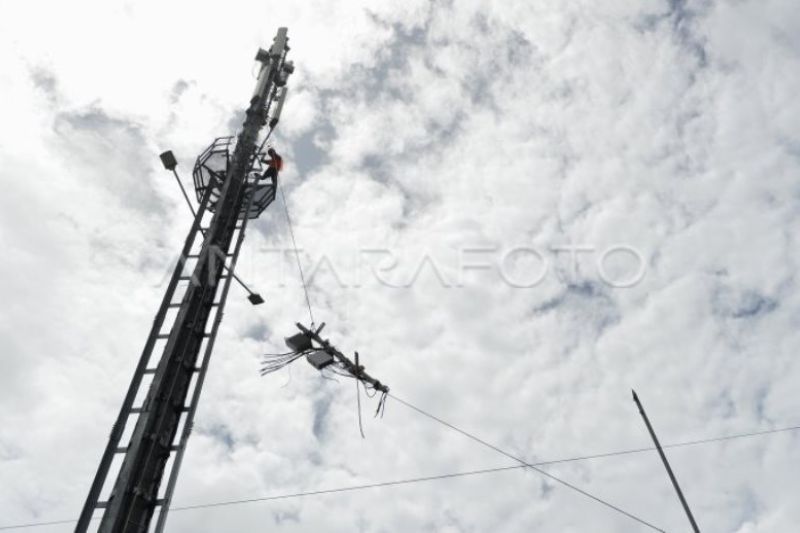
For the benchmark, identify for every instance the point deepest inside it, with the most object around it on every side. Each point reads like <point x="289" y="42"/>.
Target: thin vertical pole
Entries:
<point x="183" y="190"/>
<point x="666" y="464"/>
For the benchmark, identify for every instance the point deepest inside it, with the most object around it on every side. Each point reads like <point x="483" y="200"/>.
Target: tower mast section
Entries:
<point x="233" y="195"/>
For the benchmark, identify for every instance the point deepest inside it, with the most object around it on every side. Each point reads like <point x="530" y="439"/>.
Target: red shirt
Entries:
<point x="276" y="162"/>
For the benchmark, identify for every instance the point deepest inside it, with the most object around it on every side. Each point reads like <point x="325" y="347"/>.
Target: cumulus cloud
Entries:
<point x="463" y="146"/>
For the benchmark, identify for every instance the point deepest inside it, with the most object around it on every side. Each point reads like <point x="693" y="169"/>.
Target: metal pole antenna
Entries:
<point x="183" y="190"/>
<point x="666" y="464"/>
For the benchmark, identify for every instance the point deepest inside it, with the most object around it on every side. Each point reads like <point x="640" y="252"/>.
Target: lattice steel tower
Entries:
<point x="230" y="191"/>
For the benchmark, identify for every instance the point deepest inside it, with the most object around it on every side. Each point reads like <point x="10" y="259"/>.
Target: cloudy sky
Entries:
<point x="515" y="211"/>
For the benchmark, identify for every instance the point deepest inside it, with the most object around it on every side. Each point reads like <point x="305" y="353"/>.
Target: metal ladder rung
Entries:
<point x="149" y="371"/>
<point x="124" y="449"/>
<point x="197" y="256"/>
<point x="177" y="305"/>
<point x="166" y="336"/>
<point x="104" y="505"/>
<point x="184" y="409"/>
<point x="139" y="410"/>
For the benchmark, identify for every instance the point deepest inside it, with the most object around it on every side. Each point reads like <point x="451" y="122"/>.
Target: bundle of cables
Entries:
<point x="272" y="362"/>
<point x="323" y="356"/>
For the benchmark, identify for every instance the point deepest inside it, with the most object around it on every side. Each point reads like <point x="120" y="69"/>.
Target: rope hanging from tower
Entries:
<point x="296" y="254"/>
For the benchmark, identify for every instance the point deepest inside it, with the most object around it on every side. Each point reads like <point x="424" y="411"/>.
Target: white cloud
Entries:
<point x="670" y="128"/>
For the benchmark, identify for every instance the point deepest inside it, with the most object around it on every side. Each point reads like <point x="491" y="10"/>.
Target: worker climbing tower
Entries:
<point x="149" y="437"/>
